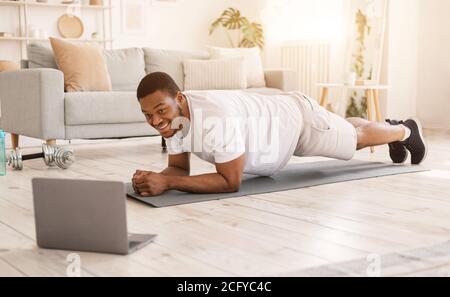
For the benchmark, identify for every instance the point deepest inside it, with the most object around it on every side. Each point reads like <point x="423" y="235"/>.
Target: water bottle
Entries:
<point x="2" y="154"/>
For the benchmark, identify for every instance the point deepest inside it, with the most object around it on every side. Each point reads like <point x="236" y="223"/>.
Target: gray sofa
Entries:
<point x="34" y="104"/>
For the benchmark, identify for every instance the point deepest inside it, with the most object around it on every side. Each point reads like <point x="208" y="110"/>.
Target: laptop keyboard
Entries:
<point x="132" y="244"/>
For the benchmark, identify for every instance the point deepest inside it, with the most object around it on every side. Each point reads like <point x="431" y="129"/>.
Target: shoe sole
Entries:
<point x="406" y="158"/>
<point x="419" y="125"/>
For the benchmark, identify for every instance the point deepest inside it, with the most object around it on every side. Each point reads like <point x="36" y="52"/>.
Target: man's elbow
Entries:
<point x="234" y="187"/>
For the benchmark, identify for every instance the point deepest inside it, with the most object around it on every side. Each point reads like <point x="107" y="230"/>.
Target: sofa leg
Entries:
<point x="163" y="144"/>
<point x="15" y="141"/>
<point x="51" y="142"/>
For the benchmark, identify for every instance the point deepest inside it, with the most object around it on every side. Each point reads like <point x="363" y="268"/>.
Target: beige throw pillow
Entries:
<point x="223" y="74"/>
<point x="252" y="60"/>
<point x="83" y="65"/>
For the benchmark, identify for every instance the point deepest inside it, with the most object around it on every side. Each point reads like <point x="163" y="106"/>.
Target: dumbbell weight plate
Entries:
<point x="15" y="159"/>
<point x="49" y="154"/>
<point x="64" y="158"/>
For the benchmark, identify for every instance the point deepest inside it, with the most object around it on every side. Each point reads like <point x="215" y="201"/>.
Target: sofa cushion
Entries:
<point x="253" y="63"/>
<point x="126" y="68"/>
<point x="83" y="65"/>
<point x="170" y="62"/>
<point x="222" y="74"/>
<point x="99" y="131"/>
<point x="40" y="56"/>
<point x="87" y="108"/>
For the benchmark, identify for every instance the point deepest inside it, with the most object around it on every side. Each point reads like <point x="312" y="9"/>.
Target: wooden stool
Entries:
<point x="372" y="95"/>
<point x="9" y="66"/>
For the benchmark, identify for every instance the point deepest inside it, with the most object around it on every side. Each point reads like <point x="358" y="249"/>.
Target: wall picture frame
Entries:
<point x="133" y="16"/>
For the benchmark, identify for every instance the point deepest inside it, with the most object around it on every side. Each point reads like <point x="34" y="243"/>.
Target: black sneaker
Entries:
<point x="397" y="150"/>
<point x="415" y="144"/>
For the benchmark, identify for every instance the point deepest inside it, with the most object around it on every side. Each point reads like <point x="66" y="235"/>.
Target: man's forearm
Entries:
<point x="202" y="184"/>
<point x="175" y="171"/>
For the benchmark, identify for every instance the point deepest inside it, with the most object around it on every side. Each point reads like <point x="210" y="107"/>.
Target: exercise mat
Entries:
<point x="294" y="176"/>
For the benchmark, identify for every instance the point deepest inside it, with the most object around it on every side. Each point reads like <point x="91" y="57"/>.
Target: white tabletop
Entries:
<point x="354" y="87"/>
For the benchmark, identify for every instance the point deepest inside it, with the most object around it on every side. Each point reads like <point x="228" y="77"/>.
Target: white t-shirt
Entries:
<point x="225" y="125"/>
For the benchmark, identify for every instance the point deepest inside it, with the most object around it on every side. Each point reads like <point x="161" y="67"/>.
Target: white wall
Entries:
<point x="286" y="21"/>
<point x="433" y="100"/>
<point x="416" y="62"/>
<point x="401" y="56"/>
<point x="305" y="20"/>
<point x="183" y="26"/>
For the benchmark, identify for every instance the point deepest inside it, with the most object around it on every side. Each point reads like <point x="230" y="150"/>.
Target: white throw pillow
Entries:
<point x="219" y="74"/>
<point x="252" y="58"/>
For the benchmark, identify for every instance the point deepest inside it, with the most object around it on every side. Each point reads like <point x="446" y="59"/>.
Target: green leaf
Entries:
<point x="231" y="19"/>
<point x="253" y="35"/>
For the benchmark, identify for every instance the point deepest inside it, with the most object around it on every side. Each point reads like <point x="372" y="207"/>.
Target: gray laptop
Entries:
<point x="81" y="215"/>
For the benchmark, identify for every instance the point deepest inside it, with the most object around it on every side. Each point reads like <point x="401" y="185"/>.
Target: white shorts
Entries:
<point x="324" y="134"/>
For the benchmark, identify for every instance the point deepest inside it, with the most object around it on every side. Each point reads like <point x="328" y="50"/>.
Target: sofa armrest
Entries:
<point x="283" y="79"/>
<point x="32" y="103"/>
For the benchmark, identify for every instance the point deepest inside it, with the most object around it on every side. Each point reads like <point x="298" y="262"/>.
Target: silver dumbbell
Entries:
<point x="52" y="155"/>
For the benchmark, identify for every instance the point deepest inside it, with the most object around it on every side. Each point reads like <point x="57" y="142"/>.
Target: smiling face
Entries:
<point x="160" y="109"/>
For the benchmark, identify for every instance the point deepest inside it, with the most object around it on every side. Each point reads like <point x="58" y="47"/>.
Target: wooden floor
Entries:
<point x="262" y="235"/>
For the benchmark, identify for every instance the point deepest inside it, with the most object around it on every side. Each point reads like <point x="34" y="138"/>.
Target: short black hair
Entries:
<point x="157" y="81"/>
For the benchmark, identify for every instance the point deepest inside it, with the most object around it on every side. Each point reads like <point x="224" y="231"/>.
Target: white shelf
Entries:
<point x="46" y="39"/>
<point x="11" y="3"/>
<point x="56" y="5"/>
<point x="12" y="38"/>
<point x="26" y="8"/>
